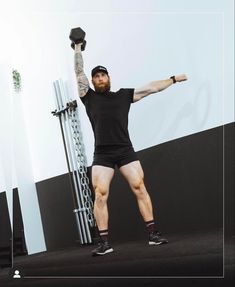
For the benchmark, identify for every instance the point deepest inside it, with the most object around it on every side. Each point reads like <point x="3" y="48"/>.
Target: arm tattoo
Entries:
<point x="82" y="81"/>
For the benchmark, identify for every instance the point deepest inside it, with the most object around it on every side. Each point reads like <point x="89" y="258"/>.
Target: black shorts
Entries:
<point x="116" y="155"/>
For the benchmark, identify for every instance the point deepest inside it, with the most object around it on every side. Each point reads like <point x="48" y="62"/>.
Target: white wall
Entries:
<point x="15" y="161"/>
<point x="6" y="113"/>
<point x="138" y="41"/>
<point x="6" y="148"/>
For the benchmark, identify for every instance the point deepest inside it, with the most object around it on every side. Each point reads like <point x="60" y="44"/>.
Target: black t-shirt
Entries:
<point x="108" y="114"/>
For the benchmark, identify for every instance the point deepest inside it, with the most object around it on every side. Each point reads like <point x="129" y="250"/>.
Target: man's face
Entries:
<point x="101" y="82"/>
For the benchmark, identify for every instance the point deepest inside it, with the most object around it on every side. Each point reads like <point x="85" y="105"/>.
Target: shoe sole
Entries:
<point x="107" y="251"/>
<point x="158" y="243"/>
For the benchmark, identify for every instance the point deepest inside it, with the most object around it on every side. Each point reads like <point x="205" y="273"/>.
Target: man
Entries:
<point x="108" y="114"/>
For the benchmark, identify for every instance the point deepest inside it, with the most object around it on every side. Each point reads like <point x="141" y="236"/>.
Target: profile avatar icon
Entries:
<point x="17" y="274"/>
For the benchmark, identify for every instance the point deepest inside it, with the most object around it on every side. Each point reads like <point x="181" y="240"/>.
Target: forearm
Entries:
<point x="82" y="81"/>
<point x="158" y="86"/>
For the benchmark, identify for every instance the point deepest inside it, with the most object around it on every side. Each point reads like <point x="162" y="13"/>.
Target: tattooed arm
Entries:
<point x="82" y="81"/>
<point x="155" y="87"/>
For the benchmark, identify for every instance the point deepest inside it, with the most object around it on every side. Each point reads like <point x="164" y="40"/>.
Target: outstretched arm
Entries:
<point x="82" y="81"/>
<point x="155" y="87"/>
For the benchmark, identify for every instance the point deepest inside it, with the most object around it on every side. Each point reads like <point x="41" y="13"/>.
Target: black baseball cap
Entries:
<point x="99" y="69"/>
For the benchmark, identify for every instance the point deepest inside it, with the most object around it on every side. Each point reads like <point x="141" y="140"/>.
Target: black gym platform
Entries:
<point x="187" y="258"/>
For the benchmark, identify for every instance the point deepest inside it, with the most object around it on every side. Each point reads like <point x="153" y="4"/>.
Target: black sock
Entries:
<point x="103" y="234"/>
<point x="150" y="225"/>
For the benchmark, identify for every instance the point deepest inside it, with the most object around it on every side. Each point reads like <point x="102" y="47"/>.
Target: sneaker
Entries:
<point x="156" y="239"/>
<point x="102" y="249"/>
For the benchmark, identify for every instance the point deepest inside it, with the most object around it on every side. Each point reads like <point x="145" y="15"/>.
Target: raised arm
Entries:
<point x="155" y="87"/>
<point x="82" y="81"/>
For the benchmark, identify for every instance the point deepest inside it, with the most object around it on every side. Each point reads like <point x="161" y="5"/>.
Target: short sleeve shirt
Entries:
<point x="108" y="114"/>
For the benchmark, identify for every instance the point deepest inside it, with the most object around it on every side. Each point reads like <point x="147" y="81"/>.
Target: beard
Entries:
<point x="101" y="88"/>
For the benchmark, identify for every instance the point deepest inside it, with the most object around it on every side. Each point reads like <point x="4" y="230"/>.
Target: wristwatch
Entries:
<point x="173" y="78"/>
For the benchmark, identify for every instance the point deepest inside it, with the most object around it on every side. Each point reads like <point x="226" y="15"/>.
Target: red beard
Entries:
<point x="101" y="88"/>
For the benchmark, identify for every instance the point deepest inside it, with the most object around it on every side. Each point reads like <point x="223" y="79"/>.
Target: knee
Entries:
<point x="138" y="187"/>
<point x="101" y="195"/>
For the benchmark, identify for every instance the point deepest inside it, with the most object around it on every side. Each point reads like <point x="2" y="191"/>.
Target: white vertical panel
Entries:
<point x="25" y="182"/>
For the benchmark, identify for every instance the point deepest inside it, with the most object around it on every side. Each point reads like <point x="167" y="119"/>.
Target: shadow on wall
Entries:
<point x="198" y="111"/>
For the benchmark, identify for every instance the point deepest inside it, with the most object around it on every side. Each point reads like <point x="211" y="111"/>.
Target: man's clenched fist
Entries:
<point x="181" y="78"/>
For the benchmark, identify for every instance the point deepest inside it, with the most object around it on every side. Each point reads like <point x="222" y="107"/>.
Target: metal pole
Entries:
<point x="75" y="164"/>
<point x="75" y="202"/>
<point x="79" y="210"/>
<point x="75" y="158"/>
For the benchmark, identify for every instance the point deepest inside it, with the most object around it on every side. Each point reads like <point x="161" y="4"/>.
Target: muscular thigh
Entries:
<point x="101" y="178"/>
<point x="133" y="173"/>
